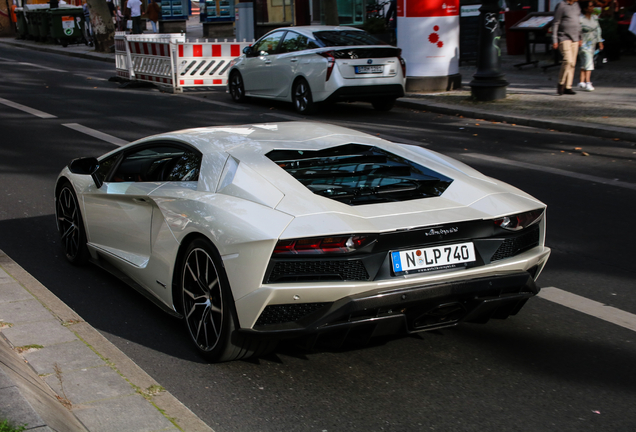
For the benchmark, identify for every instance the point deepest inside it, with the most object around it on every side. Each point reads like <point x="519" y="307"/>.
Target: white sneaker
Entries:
<point x="589" y="87"/>
<point x="583" y="85"/>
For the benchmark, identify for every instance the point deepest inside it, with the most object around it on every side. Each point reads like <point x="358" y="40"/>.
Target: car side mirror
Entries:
<point x="247" y="51"/>
<point x="86" y="166"/>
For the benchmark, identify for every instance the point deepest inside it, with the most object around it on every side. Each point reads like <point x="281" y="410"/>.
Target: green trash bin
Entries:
<point x="32" y="23"/>
<point x="43" y="25"/>
<point x="23" y="30"/>
<point x="66" y="24"/>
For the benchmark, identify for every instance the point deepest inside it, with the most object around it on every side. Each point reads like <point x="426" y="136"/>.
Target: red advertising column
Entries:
<point x="428" y="33"/>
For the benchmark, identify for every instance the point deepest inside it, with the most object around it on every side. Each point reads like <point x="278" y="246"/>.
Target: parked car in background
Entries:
<point x="311" y="64"/>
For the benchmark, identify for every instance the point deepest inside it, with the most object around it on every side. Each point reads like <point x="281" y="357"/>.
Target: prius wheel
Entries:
<point x="208" y="307"/>
<point x="301" y="96"/>
<point x="70" y="225"/>
<point x="237" y="89"/>
<point x="383" y="104"/>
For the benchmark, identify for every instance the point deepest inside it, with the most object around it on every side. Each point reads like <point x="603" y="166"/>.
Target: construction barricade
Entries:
<point x="173" y="63"/>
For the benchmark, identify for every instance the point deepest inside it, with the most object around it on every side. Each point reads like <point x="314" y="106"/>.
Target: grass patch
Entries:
<point x="5" y="426"/>
<point x="24" y="348"/>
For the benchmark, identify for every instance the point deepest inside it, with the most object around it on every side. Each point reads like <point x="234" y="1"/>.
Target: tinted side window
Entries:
<point x="157" y="164"/>
<point x="296" y="42"/>
<point x="346" y="38"/>
<point x="105" y="166"/>
<point x="268" y="44"/>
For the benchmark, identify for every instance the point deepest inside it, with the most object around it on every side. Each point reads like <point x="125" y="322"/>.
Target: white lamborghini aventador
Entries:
<point x="260" y="232"/>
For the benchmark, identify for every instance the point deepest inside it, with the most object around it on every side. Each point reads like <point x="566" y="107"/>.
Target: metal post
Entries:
<point x="489" y="82"/>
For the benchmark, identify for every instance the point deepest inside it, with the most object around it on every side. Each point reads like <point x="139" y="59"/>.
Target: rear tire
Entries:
<point x="208" y="307"/>
<point x="383" y="104"/>
<point x="70" y="225"/>
<point x="237" y="88"/>
<point x="301" y="97"/>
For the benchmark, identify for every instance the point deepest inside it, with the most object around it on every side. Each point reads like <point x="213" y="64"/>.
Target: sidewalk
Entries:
<point x="57" y="373"/>
<point x="609" y="111"/>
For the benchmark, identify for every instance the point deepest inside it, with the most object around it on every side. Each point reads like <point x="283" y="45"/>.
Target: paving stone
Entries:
<point x="4" y="277"/>
<point x="86" y="386"/>
<point x="23" y="312"/>
<point x="5" y="381"/>
<point x="68" y="356"/>
<point x="15" y="408"/>
<point x="13" y="291"/>
<point x="42" y="333"/>
<point x="130" y="413"/>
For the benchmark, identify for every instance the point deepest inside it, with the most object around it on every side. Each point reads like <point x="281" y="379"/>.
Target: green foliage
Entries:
<point x="5" y="426"/>
<point x="374" y="25"/>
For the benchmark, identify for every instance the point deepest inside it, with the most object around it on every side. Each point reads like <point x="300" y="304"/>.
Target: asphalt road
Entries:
<point x="548" y="368"/>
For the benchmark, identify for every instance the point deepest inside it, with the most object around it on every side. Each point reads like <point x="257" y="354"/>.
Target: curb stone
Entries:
<point x="73" y="364"/>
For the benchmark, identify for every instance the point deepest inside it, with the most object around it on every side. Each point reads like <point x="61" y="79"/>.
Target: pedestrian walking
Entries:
<point x="154" y="13"/>
<point x="590" y="36"/>
<point x="566" y="37"/>
<point x="136" y="9"/>
<point x="88" y="28"/>
<point x="119" y="19"/>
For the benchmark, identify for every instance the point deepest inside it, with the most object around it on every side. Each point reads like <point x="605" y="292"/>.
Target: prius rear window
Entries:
<point x="358" y="174"/>
<point x="346" y="38"/>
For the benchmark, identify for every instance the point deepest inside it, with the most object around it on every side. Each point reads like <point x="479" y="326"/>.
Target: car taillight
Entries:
<point x="402" y="63"/>
<point x="519" y="221"/>
<point x="323" y="245"/>
<point x="331" y="61"/>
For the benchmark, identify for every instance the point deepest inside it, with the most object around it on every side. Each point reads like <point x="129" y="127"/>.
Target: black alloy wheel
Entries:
<point x="301" y="97"/>
<point x="208" y="307"/>
<point x="237" y="89"/>
<point x="71" y="226"/>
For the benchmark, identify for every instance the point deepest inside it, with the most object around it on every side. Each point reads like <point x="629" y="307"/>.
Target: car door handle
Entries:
<point x="268" y="61"/>
<point x="294" y="60"/>
<point x="140" y="200"/>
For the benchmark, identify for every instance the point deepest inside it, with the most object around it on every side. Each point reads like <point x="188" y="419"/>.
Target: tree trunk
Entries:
<point x="103" y="27"/>
<point x="330" y="7"/>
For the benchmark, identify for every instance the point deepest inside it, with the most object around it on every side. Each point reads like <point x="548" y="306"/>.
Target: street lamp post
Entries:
<point x="489" y="82"/>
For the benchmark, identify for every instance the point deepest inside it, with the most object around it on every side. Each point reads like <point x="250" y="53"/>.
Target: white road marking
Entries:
<point x="589" y="307"/>
<point x="41" y="67"/>
<point x="551" y="170"/>
<point x="26" y="109"/>
<point x="96" y="134"/>
<point x="223" y="104"/>
<point x="91" y="77"/>
<point x="284" y="116"/>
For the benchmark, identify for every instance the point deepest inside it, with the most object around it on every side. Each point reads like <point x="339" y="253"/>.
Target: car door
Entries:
<point x="286" y="63"/>
<point x="257" y="74"/>
<point x="119" y="214"/>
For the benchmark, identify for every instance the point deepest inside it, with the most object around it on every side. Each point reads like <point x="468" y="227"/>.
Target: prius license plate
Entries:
<point x="432" y="258"/>
<point x="369" y="69"/>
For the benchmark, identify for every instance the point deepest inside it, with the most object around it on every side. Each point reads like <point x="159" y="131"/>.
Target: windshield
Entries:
<point x="346" y="38"/>
<point x="357" y="174"/>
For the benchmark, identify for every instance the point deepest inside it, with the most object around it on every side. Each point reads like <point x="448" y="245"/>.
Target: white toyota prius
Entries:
<point x="311" y="64"/>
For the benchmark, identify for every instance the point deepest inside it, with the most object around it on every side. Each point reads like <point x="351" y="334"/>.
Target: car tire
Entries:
<point x="207" y="305"/>
<point x="70" y="225"/>
<point x="237" y="88"/>
<point x="301" y="97"/>
<point x="383" y="104"/>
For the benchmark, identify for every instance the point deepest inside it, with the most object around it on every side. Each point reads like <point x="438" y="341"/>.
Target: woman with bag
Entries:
<point x="591" y="35"/>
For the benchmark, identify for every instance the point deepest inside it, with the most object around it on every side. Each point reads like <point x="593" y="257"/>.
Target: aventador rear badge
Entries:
<point x="442" y="231"/>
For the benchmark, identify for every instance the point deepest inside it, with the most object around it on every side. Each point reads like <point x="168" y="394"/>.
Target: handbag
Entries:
<point x="129" y="24"/>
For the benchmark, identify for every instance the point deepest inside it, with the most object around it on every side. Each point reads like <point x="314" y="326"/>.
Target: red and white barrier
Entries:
<point x="206" y="64"/>
<point x="170" y="61"/>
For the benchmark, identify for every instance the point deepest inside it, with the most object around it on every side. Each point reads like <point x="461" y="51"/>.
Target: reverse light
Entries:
<point x="323" y="245"/>
<point x="331" y="61"/>
<point x="519" y="221"/>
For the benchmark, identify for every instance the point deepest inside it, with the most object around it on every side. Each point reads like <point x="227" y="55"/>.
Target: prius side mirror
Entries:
<point x="86" y="166"/>
<point x="247" y="51"/>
